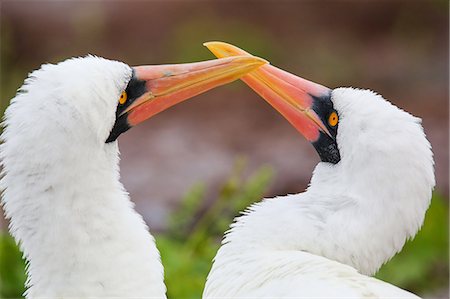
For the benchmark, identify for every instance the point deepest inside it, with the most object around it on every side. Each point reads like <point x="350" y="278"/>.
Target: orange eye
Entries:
<point x="123" y="98"/>
<point x="333" y="119"/>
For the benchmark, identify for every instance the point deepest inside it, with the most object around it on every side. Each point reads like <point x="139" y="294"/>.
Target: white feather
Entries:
<point x="74" y="221"/>
<point x="353" y="218"/>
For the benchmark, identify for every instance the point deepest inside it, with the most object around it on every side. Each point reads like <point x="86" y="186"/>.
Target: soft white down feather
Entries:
<point x="354" y="216"/>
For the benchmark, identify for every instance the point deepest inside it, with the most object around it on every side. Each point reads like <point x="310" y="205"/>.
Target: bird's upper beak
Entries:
<point x="290" y="95"/>
<point x="154" y="88"/>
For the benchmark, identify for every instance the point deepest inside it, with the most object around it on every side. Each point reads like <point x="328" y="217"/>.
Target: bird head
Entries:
<point x="100" y="98"/>
<point x="338" y="122"/>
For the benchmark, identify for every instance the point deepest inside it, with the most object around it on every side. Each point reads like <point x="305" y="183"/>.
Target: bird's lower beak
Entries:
<point x="290" y="95"/>
<point x="167" y="85"/>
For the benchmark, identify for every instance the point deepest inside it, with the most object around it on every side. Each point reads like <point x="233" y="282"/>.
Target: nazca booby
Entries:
<point x="367" y="196"/>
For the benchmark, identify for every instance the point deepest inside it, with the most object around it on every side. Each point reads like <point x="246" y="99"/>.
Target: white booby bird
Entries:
<point x="367" y="196"/>
<point x="68" y="211"/>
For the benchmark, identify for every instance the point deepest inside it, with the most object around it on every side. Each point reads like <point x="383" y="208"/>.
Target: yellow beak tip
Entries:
<point x="222" y="49"/>
<point x="214" y="43"/>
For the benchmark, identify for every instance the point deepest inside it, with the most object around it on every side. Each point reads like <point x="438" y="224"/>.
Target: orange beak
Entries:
<point x="290" y="95"/>
<point x="154" y="88"/>
<point x="168" y="85"/>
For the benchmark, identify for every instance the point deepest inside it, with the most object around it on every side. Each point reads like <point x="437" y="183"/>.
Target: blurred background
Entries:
<point x="192" y="168"/>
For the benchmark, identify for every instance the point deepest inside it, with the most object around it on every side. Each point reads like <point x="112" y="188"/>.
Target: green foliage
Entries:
<point x="12" y="268"/>
<point x="194" y="233"/>
<point x="196" y="228"/>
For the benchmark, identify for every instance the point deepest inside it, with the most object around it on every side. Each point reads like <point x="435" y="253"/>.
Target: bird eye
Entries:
<point x="333" y="119"/>
<point x="123" y="98"/>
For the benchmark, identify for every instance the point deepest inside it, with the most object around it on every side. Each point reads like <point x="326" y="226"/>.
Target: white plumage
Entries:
<point x="82" y="238"/>
<point x="74" y="220"/>
<point x="354" y="216"/>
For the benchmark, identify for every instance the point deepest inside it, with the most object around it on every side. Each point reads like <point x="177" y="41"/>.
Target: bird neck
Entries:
<point x="76" y="225"/>
<point x="371" y="207"/>
<point x="355" y="212"/>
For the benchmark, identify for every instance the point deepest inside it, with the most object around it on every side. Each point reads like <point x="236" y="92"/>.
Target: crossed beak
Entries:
<point x="290" y="95"/>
